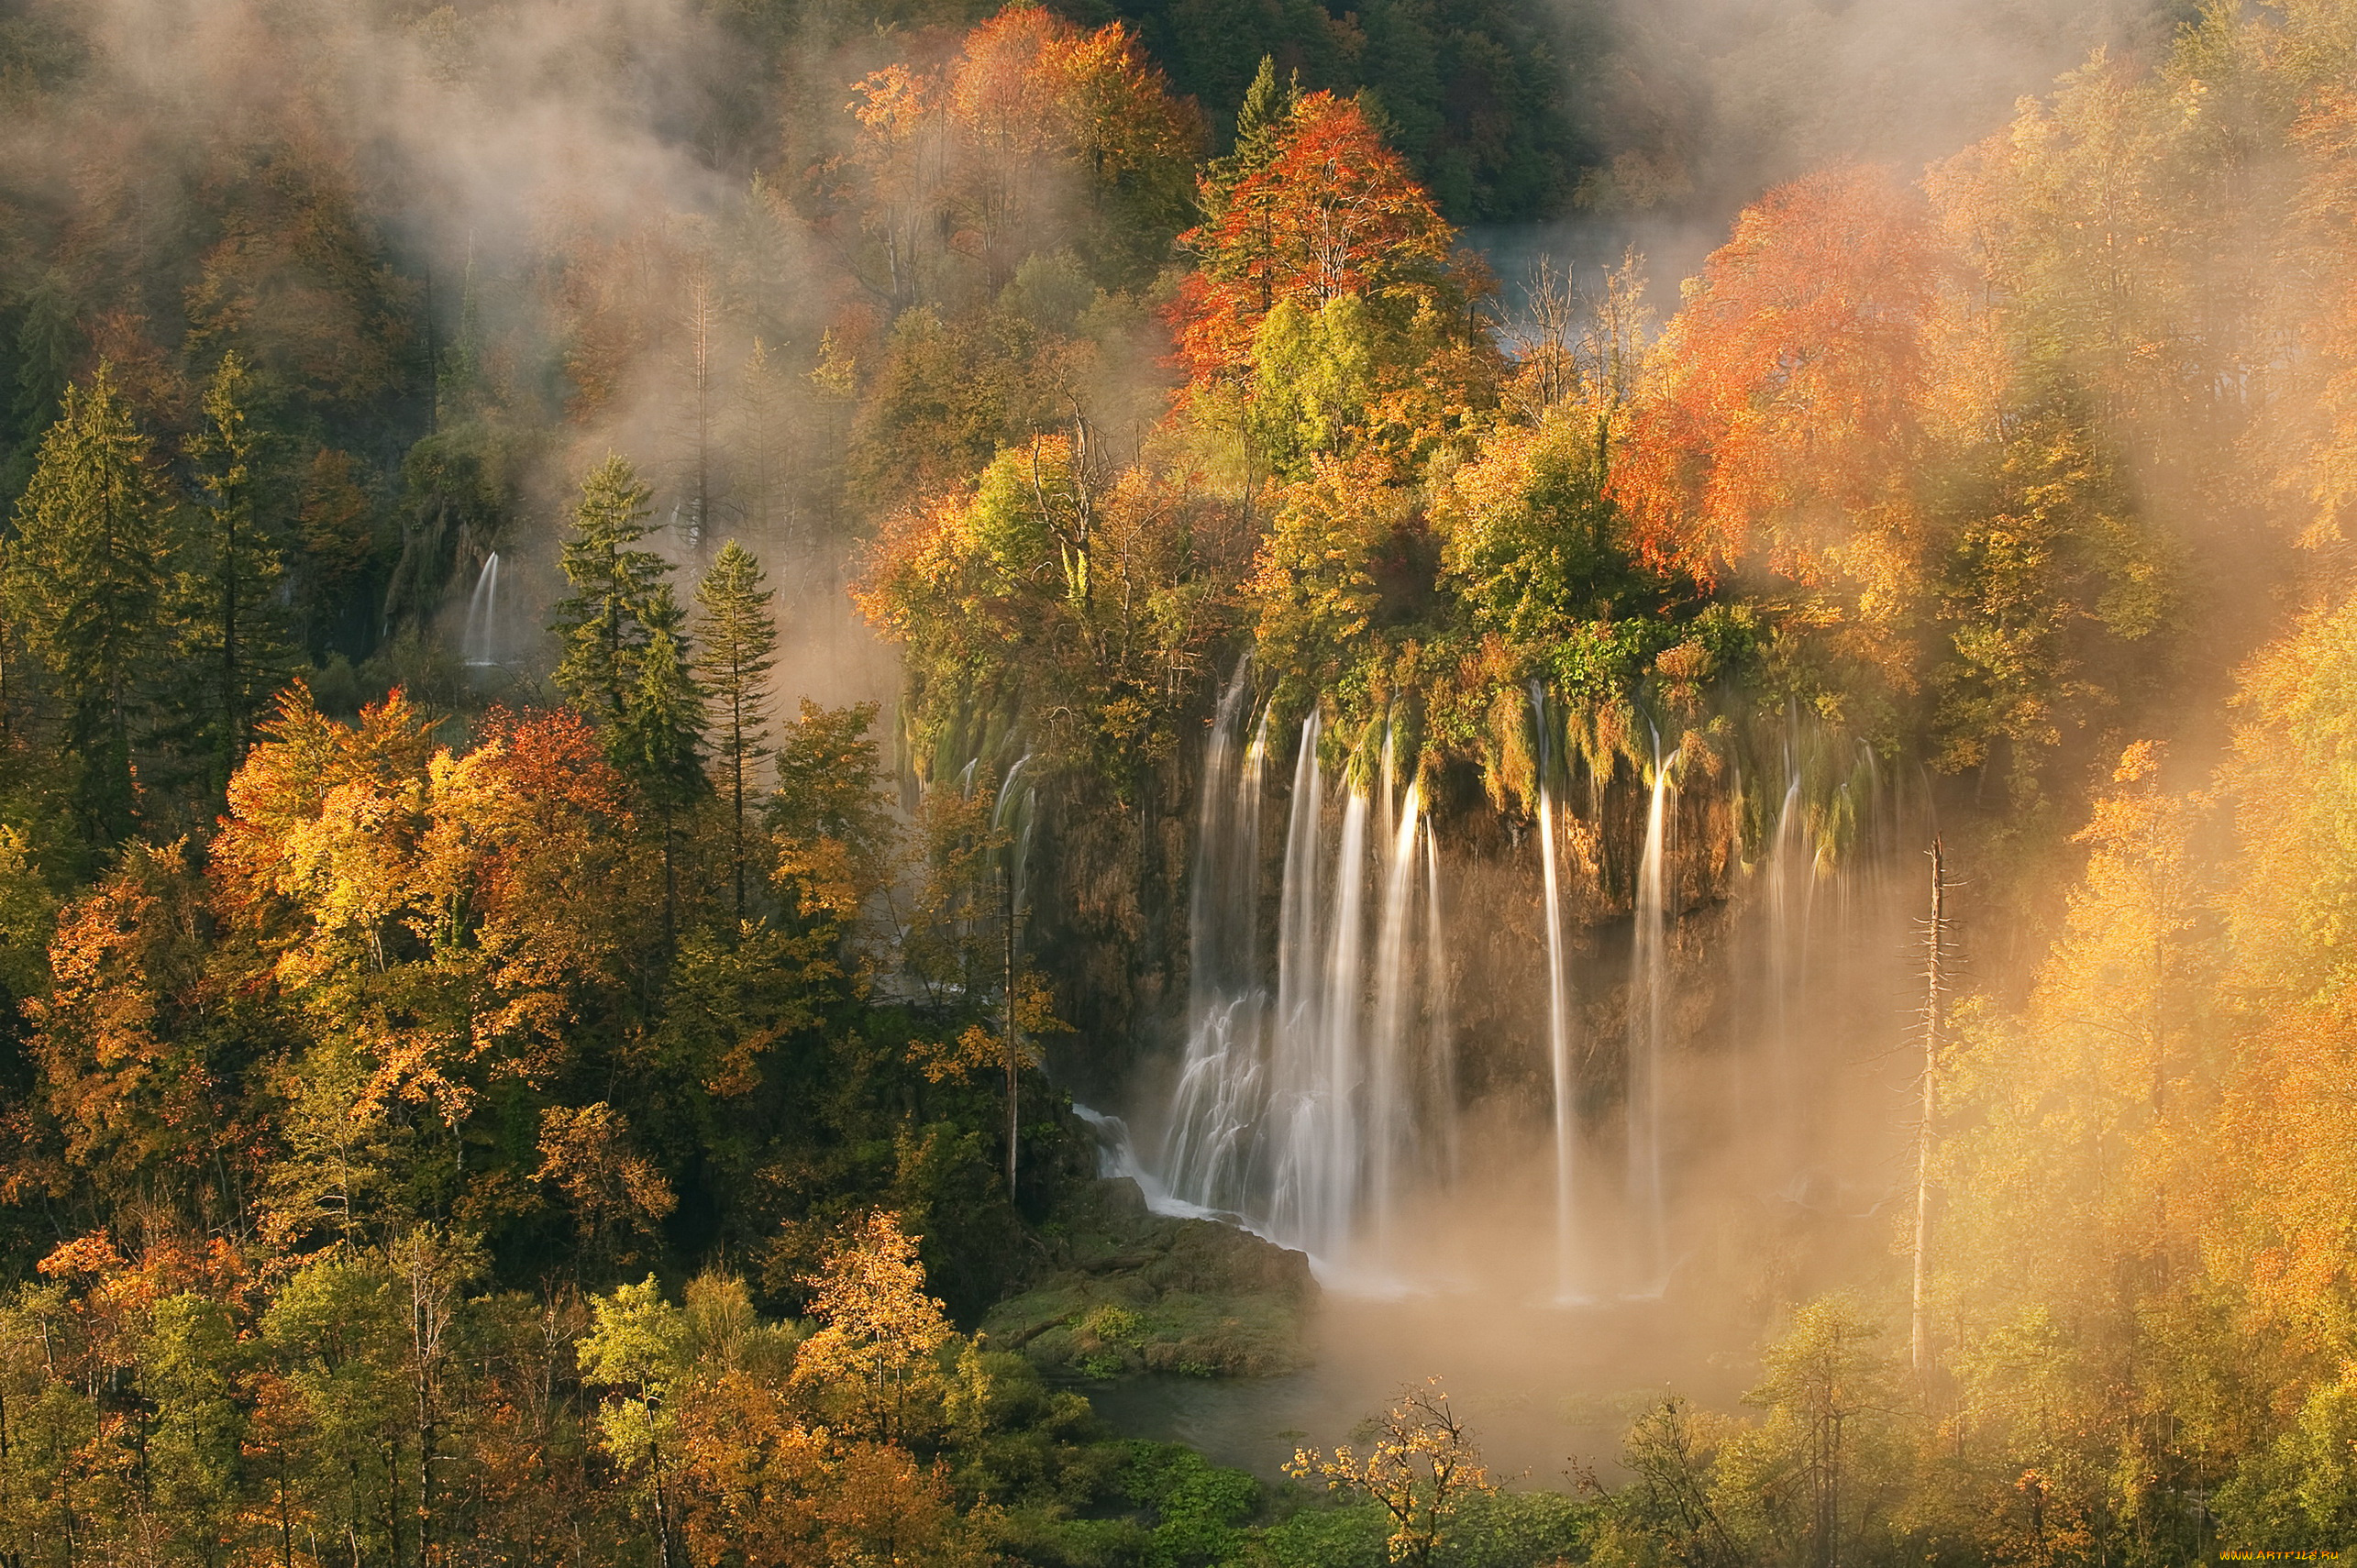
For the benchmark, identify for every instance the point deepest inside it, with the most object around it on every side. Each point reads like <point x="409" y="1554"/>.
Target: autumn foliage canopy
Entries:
<point x="1334" y="211"/>
<point x="1780" y="431"/>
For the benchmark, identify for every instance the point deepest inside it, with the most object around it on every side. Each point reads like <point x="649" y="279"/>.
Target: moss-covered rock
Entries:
<point x="1133" y="1291"/>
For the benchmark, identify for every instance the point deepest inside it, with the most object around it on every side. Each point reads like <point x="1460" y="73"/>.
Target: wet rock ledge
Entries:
<point x="1132" y="1291"/>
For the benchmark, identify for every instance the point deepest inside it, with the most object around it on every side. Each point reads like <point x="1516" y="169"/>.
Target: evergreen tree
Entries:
<point x="233" y="622"/>
<point x="1260" y="130"/>
<point x="738" y="640"/>
<point x="658" y="741"/>
<point x="45" y="346"/>
<point x="604" y="622"/>
<point x="85" y="585"/>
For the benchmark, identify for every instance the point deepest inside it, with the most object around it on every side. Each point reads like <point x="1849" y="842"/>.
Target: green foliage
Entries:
<point x="1516" y="162"/>
<point x="230" y="606"/>
<point x="1259" y="123"/>
<point x="2301" y="1492"/>
<point x="1812" y="1481"/>
<point x="1317" y="372"/>
<point x="608" y="621"/>
<point x="1198" y="1508"/>
<point x="657" y="735"/>
<point x="736" y="638"/>
<point x="189" y="1368"/>
<point x="85" y="583"/>
<point x="46" y="351"/>
<point x="2054" y="592"/>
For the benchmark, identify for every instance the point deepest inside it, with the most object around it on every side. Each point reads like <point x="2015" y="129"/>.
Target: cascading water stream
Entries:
<point x="1293" y="1118"/>
<point x="1311" y="1113"/>
<point x="1648" y="984"/>
<point x="1565" y="1097"/>
<point x="1221" y="1092"/>
<point x="1319" y="1098"/>
<point x="480" y="646"/>
<point x="1390" y="1104"/>
<point x="1332" y="1179"/>
<point x="1440" y="1086"/>
<point x="1781" y="965"/>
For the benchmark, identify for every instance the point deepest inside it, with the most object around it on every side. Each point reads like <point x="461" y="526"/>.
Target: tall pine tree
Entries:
<point x="736" y="640"/>
<point x="235" y="634"/>
<point x="85" y="587"/>
<point x="627" y="661"/>
<point x="657" y="740"/>
<point x="1259" y="131"/>
<point x="603" y="623"/>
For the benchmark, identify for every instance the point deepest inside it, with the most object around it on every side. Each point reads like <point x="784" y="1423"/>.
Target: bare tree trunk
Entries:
<point x="1014" y="1049"/>
<point x="1919" y="1336"/>
<point x="700" y="367"/>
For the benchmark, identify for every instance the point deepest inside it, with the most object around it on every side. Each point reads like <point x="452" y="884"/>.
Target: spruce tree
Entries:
<point x="235" y="639"/>
<point x="45" y="346"/>
<point x="657" y="740"/>
<point x="736" y="641"/>
<point x="85" y="586"/>
<point x="1259" y="126"/>
<point x="603" y="623"/>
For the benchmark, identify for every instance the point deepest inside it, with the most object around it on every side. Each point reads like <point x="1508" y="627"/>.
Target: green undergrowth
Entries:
<point x="1167" y="1506"/>
<point x="1135" y="1292"/>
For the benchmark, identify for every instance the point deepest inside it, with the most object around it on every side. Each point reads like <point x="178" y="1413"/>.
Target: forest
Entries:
<point x="643" y="648"/>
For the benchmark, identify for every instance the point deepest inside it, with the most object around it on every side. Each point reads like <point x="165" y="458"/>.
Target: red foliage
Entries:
<point x="1335" y="211"/>
<point x="554" y="761"/>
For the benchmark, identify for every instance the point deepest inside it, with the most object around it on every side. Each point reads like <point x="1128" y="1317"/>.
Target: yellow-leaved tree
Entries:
<point x="1420" y="1465"/>
<point x="875" y="1367"/>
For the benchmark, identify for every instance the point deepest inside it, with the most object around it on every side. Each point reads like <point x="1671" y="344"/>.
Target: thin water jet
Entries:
<point x="1647" y="1006"/>
<point x="479" y="646"/>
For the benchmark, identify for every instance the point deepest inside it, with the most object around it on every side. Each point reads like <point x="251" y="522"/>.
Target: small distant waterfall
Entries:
<point x="480" y="646"/>
<point x="1013" y="815"/>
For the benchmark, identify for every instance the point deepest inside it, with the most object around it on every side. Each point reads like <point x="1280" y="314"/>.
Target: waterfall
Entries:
<point x="1012" y="814"/>
<point x="1330" y="1179"/>
<point x="1564" y="1101"/>
<point x="1317" y="1100"/>
<point x="1439" y="1086"/>
<point x="1293" y="1111"/>
<point x="1220" y="1097"/>
<point x="1311" y="1114"/>
<point x="1783" y="958"/>
<point x="1647" y="1005"/>
<point x="479" y="647"/>
<point x="1390" y="1105"/>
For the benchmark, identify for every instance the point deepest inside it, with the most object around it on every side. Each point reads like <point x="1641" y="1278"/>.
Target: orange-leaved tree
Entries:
<point x="1332" y="212"/>
<point x="434" y="919"/>
<point x="874" y="1362"/>
<point x="1037" y="133"/>
<point x="1035" y="100"/>
<point x="124" y="1042"/>
<point x="1780" y="429"/>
